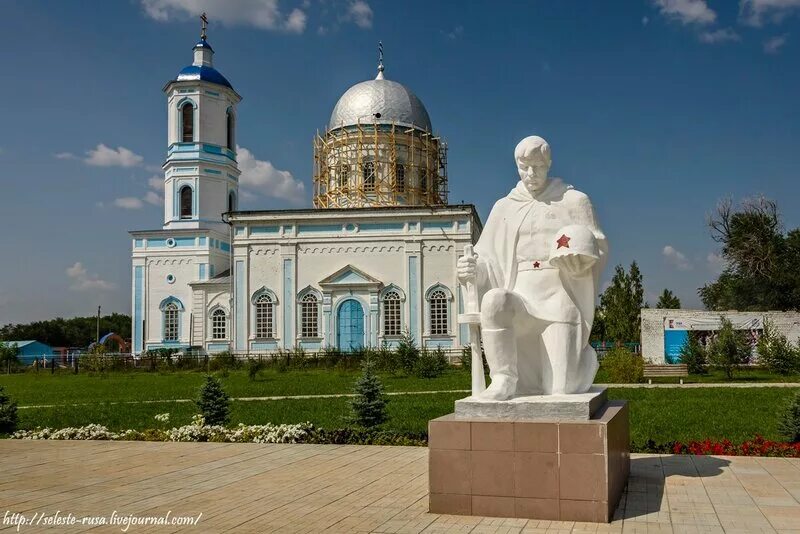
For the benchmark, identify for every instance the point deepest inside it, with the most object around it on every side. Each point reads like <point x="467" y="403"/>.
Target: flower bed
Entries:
<point x="199" y="431"/>
<point x="758" y="446"/>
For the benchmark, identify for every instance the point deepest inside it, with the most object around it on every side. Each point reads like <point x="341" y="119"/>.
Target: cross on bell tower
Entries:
<point x="203" y="26"/>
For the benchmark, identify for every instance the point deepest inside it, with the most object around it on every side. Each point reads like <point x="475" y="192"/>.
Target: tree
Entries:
<point x="668" y="301"/>
<point x="621" y="304"/>
<point x="729" y="349"/>
<point x="214" y="403"/>
<point x="369" y="404"/>
<point x="693" y="355"/>
<point x="74" y="332"/>
<point x="8" y="413"/>
<point x="776" y="353"/>
<point x="761" y="272"/>
<point x="789" y="422"/>
<point x="8" y="355"/>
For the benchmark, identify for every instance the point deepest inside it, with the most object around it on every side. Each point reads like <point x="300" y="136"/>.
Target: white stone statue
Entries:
<point x="536" y="273"/>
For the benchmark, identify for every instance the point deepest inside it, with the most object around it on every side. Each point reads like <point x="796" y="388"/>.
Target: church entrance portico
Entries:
<point x="350" y="325"/>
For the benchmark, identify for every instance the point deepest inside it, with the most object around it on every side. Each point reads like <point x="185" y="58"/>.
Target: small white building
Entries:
<point x="664" y="332"/>
<point x="375" y="257"/>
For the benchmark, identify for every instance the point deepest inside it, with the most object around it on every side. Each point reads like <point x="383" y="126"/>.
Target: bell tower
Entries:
<point x="201" y="176"/>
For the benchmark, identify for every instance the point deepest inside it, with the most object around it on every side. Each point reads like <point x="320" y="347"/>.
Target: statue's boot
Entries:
<point x="501" y="355"/>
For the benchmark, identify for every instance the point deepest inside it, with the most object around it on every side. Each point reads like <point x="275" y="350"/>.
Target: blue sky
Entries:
<point x="656" y="108"/>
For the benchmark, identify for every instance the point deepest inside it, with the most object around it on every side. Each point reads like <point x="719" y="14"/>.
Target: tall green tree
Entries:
<point x="74" y="332"/>
<point x="668" y="301"/>
<point x="621" y="304"/>
<point x="761" y="260"/>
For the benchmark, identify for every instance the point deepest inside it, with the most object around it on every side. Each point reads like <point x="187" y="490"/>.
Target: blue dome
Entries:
<point x="206" y="74"/>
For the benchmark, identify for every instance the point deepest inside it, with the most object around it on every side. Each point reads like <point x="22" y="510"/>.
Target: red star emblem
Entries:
<point x="536" y="265"/>
<point x="563" y="241"/>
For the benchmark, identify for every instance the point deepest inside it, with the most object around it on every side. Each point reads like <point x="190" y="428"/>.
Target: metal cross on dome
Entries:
<point x="203" y="25"/>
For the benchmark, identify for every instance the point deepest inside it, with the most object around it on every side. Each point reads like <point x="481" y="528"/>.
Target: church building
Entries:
<point x="375" y="256"/>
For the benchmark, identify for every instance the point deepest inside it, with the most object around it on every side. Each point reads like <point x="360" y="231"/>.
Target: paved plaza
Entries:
<point x="332" y="488"/>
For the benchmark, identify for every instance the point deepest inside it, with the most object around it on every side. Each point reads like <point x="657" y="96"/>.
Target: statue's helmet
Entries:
<point x="573" y="240"/>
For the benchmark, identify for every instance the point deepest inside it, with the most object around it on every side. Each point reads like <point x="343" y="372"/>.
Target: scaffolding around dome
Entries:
<point x="371" y="165"/>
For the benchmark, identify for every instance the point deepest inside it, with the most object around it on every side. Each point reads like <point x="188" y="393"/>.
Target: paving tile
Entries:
<point x="331" y="488"/>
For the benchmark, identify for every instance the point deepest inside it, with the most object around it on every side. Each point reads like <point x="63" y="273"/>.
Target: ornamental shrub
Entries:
<point x="369" y="405"/>
<point x="407" y="352"/>
<point x="789" y="423"/>
<point x="8" y="413"/>
<point x="214" y="403"/>
<point x="776" y="353"/>
<point x="729" y="349"/>
<point x="223" y="360"/>
<point x="254" y="366"/>
<point x="430" y="364"/>
<point x="623" y="366"/>
<point x="693" y="355"/>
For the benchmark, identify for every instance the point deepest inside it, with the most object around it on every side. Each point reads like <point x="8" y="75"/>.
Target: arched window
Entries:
<point x="231" y="201"/>
<point x="437" y="305"/>
<point x="368" y="172"/>
<point x="400" y="178"/>
<point x="423" y="181"/>
<point x="231" y="125"/>
<point x="391" y="314"/>
<point x="187" y="122"/>
<point x="171" y="311"/>
<point x="265" y="308"/>
<point x="185" y="196"/>
<point x="309" y="316"/>
<point x="344" y="175"/>
<point x="219" y="324"/>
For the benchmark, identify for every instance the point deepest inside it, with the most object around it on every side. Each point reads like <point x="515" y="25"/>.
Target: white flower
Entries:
<point x="162" y="417"/>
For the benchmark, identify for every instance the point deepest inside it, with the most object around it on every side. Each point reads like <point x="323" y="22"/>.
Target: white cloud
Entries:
<point x="774" y="44"/>
<point x="261" y="14"/>
<point x="104" y="156"/>
<point x="754" y="12"/>
<point x="676" y="258"/>
<point x="296" y="23"/>
<point x="83" y="281"/>
<point x="722" y="35"/>
<point x="65" y="155"/>
<point x="128" y="203"/>
<point x="455" y="33"/>
<point x="262" y="177"/>
<point x="359" y="13"/>
<point x="687" y="11"/>
<point x="645" y="20"/>
<point x="151" y="197"/>
<point x="156" y="183"/>
<point x="716" y="263"/>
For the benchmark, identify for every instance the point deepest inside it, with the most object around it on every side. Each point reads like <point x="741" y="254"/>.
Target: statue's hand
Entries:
<point x="467" y="269"/>
<point x="576" y="265"/>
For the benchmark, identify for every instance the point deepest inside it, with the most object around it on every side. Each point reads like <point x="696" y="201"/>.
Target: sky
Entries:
<point x="657" y="109"/>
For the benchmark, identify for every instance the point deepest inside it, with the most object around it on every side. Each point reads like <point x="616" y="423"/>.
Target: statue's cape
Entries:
<point x="497" y="245"/>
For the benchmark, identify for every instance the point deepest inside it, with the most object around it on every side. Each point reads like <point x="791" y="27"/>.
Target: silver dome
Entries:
<point x="395" y="103"/>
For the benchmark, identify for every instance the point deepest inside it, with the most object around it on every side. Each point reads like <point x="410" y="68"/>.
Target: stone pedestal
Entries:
<point x="550" y="469"/>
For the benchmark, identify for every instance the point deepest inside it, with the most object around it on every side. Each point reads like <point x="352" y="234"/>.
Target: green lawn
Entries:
<point x="662" y="415"/>
<point x="44" y="388"/>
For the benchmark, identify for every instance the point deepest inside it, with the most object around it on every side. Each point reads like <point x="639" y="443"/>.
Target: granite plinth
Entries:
<point x="565" y="470"/>
<point x="581" y="406"/>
